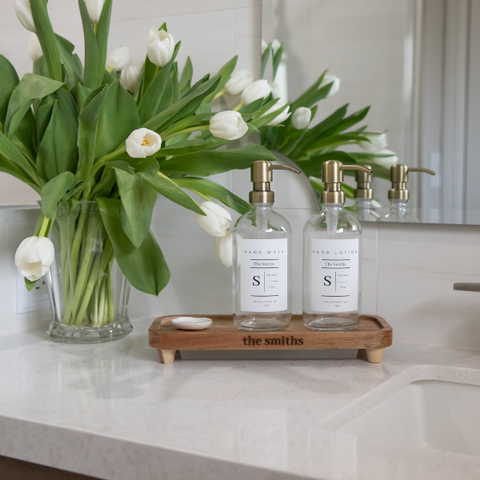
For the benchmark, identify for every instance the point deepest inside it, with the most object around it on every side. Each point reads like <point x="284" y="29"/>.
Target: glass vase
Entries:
<point x="88" y="291"/>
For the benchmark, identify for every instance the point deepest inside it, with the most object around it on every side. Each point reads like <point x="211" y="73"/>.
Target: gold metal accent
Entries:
<point x="399" y="178"/>
<point x="364" y="185"/>
<point x="261" y="176"/>
<point x="332" y="177"/>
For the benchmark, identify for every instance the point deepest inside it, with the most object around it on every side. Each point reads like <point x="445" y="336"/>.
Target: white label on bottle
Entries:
<point x="264" y="282"/>
<point x="334" y="280"/>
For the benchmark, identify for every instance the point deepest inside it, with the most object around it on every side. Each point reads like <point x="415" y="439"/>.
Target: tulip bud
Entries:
<point x="223" y="249"/>
<point x="129" y="77"/>
<point x="387" y="162"/>
<point x="275" y="46"/>
<point x="264" y="45"/>
<point x="119" y="59"/>
<point x="228" y="125"/>
<point x="378" y="141"/>
<point x="216" y="221"/>
<point x="160" y="47"/>
<point x="143" y="142"/>
<point x="301" y="118"/>
<point x="331" y="79"/>
<point x="24" y="14"/>
<point x="281" y="117"/>
<point x="275" y="89"/>
<point x="256" y="90"/>
<point x="238" y="82"/>
<point x="34" y="257"/>
<point x="94" y="9"/>
<point x="34" y="48"/>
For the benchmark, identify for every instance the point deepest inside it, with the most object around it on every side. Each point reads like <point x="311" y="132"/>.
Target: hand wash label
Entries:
<point x="334" y="272"/>
<point x="264" y="274"/>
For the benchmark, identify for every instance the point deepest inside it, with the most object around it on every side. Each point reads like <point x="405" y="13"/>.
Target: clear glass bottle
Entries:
<point x="261" y="259"/>
<point x="364" y="210"/>
<point x="363" y="197"/>
<point x="399" y="195"/>
<point x="332" y="253"/>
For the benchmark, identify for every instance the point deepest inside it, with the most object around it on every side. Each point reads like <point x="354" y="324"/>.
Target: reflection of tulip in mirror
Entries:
<point x="119" y="59"/>
<point x="257" y="89"/>
<point x="223" y="249"/>
<point x="331" y="79"/>
<point x="378" y="141"/>
<point x="301" y="118"/>
<point x="281" y="116"/>
<point x="34" y="257"/>
<point x="160" y="47"/>
<point x="34" y="48"/>
<point x="228" y="125"/>
<point x="143" y="142"/>
<point x="129" y="77"/>
<point x="238" y="82"/>
<point x="24" y="14"/>
<point x="216" y="221"/>
<point x="387" y="162"/>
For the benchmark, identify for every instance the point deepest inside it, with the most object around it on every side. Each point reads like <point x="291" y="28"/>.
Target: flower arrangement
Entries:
<point x="114" y="135"/>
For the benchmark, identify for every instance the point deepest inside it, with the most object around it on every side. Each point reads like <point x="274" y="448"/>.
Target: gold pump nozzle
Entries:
<point x="332" y="177"/>
<point x="261" y="175"/>
<point x="364" y="185"/>
<point x="399" y="179"/>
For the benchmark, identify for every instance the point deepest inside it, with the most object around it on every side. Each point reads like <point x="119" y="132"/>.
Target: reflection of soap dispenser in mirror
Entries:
<point x="261" y="258"/>
<point x="398" y="194"/>
<point x="331" y="258"/>
<point x="363" y="197"/>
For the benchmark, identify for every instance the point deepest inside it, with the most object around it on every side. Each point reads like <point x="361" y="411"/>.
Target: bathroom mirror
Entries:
<point x="416" y="63"/>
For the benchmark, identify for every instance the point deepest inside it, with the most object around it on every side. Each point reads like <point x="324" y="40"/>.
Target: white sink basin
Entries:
<point x="427" y="413"/>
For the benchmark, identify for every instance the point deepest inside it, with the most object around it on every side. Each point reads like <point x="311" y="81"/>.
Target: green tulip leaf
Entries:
<point x="214" y="190"/>
<point x="144" y="267"/>
<point x="8" y="81"/>
<point x="102" y="35"/>
<point x="138" y="201"/>
<point x="186" y="77"/>
<point x="205" y="163"/>
<point x="71" y="61"/>
<point x="31" y="87"/>
<point x="225" y="73"/>
<point x="265" y="57"/>
<point x="276" y="59"/>
<point x="11" y="152"/>
<point x="54" y="191"/>
<point x="169" y="189"/>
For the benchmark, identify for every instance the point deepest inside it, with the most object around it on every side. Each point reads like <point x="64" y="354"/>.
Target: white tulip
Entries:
<point x="331" y="79"/>
<point x="34" y="48"/>
<point x="94" y="9"/>
<point x="34" y="257"/>
<point x="119" y="59"/>
<point x="281" y="117"/>
<point x="264" y="45"/>
<point x="216" y="221"/>
<point x="24" y="14"/>
<point x="275" y="46"/>
<point x="129" y="77"/>
<point x="387" y="162"/>
<point x="143" y="142"/>
<point x="223" y="249"/>
<point x="228" y="125"/>
<point x="378" y="141"/>
<point x="238" y="82"/>
<point x="301" y="118"/>
<point x="275" y="89"/>
<point x="160" y="47"/>
<point x="257" y="89"/>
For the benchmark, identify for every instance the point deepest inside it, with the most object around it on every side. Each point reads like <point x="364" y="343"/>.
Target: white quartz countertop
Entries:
<point x="113" y="411"/>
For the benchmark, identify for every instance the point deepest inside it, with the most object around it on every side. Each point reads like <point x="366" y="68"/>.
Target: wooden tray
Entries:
<point x="371" y="337"/>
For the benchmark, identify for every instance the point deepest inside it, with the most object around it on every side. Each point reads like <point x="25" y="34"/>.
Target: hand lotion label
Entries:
<point x="264" y="283"/>
<point x="334" y="275"/>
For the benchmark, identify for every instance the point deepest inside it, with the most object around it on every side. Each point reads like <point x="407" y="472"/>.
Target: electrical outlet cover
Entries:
<point x="36" y="299"/>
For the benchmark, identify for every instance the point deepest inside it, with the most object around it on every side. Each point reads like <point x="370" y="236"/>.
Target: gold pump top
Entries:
<point x="332" y="176"/>
<point x="364" y="185"/>
<point x="399" y="178"/>
<point x="261" y="175"/>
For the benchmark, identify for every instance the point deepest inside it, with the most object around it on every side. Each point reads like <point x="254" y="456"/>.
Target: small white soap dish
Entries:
<point x="191" y="323"/>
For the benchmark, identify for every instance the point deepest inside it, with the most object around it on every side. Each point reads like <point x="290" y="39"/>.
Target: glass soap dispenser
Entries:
<point x="331" y="258"/>
<point x="261" y="258"/>
<point x="399" y="195"/>
<point x="363" y="197"/>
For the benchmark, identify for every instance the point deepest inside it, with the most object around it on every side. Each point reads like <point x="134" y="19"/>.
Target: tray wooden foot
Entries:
<point x="375" y="355"/>
<point x="166" y="356"/>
